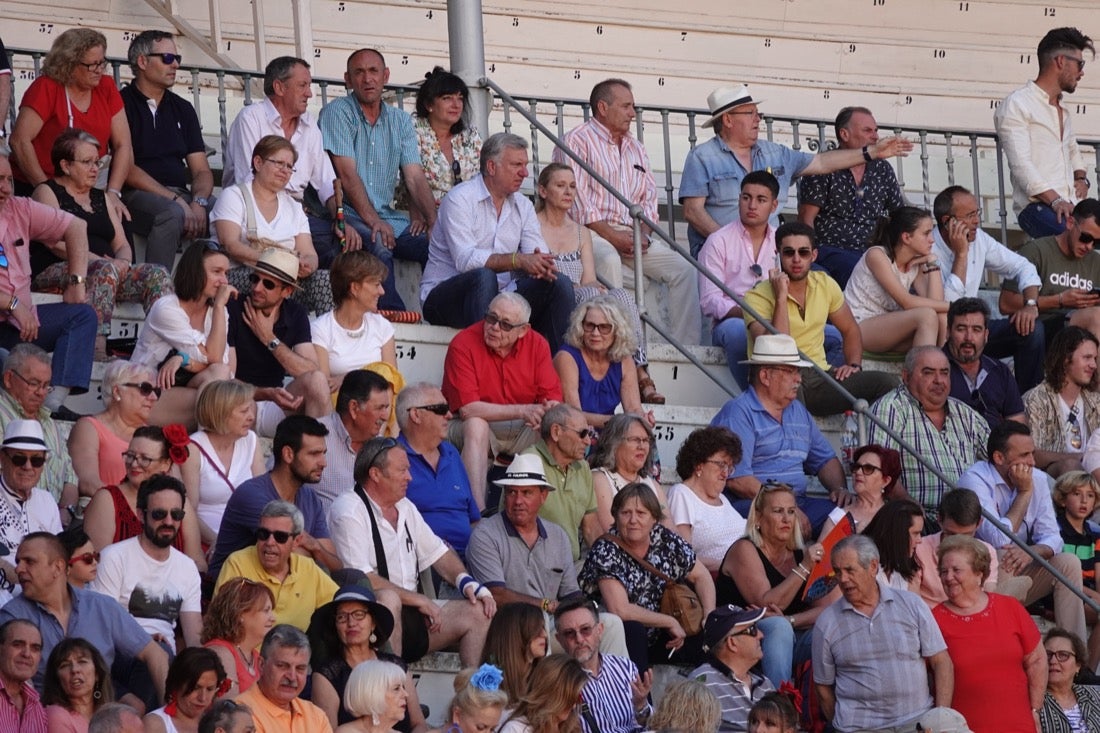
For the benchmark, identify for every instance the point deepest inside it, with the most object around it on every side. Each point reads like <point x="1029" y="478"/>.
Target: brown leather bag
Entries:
<point x="679" y="599"/>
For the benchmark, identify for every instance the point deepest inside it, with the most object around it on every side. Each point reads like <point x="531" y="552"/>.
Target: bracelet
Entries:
<point x="803" y="574"/>
<point x="513" y="260"/>
<point x="14" y="302"/>
<point x="858" y="367"/>
<point x="546" y="605"/>
<point x="804" y="568"/>
<point x="1055" y="202"/>
<point x="790" y="620"/>
<point x="185" y="357"/>
<point x="115" y="191"/>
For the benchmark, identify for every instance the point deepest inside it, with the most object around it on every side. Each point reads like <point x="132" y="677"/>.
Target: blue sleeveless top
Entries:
<point x="597" y="396"/>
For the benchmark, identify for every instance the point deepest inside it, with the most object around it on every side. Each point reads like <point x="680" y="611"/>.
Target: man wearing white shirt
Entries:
<point x="964" y="253"/>
<point x="376" y="529"/>
<point x="23" y="507"/>
<point x="487" y="240"/>
<point x="1047" y="169"/>
<point x="1013" y="490"/>
<point x="148" y="577"/>
<point x="283" y="112"/>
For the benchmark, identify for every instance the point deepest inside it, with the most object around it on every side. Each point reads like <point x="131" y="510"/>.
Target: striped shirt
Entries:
<point x="32" y="719"/>
<point x="734" y="697"/>
<point x="609" y="698"/>
<point x="624" y="166"/>
<point x="379" y="150"/>
<point x="952" y="450"/>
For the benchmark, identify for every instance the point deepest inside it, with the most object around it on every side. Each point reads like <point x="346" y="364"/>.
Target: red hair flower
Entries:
<point x="178" y="439"/>
<point x="793" y="694"/>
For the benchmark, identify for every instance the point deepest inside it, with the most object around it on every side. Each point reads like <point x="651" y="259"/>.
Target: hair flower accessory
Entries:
<point x="793" y="694"/>
<point x="178" y="439"/>
<point x="487" y="677"/>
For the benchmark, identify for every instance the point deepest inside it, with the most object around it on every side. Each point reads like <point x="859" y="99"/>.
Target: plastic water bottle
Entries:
<point x="849" y="440"/>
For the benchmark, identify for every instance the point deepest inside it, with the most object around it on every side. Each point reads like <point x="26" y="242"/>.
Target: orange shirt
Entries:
<point x="303" y="716"/>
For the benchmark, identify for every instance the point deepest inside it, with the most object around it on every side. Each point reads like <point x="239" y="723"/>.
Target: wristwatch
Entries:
<point x="1030" y="302"/>
<point x="76" y="279"/>
<point x="273" y="344"/>
<point x="202" y="201"/>
<point x="867" y="153"/>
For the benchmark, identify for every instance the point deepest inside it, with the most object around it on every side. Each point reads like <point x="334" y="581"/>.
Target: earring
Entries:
<point x="373" y="638"/>
<point x="97" y="694"/>
<point x="758" y="528"/>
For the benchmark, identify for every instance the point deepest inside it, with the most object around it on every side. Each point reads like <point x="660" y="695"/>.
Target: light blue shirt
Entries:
<point x="774" y="450"/>
<point x="985" y="253"/>
<point x="468" y="231"/>
<point x="1039" y="526"/>
<point x="379" y="150"/>
<point x="713" y="171"/>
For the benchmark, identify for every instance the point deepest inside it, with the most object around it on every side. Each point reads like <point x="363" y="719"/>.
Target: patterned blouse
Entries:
<point x="668" y="552"/>
<point x="466" y="147"/>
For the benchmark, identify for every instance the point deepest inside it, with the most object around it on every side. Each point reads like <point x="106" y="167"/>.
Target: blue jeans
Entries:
<point x="733" y="336"/>
<point x="408" y="246"/>
<point x="1027" y="351"/>
<point x="464" y="299"/>
<point x="68" y="330"/>
<point x="838" y="262"/>
<point x="1039" y="220"/>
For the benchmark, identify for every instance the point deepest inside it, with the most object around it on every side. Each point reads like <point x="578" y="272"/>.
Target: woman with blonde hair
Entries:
<point x="478" y="702"/>
<point x="227" y="451"/>
<point x="688" y="706"/>
<point x="551" y="701"/>
<point x="73" y="91"/>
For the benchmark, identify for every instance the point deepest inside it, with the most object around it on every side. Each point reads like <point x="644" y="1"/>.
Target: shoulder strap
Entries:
<point x="214" y="465"/>
<point x="249" y="209"/>
<point x="640" y="560"/>
<point x="379" y="551"/>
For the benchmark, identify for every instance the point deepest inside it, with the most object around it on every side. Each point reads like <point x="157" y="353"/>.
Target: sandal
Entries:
<point x="650" y="395"/>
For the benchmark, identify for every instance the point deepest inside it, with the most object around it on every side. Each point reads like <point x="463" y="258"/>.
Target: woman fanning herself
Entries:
<point x="890" y="317"/>
<point x="875" y="472"/>
<point x="571" y="244"/>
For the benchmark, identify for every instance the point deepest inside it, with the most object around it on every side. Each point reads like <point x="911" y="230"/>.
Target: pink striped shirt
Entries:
<point x="31" y="720"/>
<point x="624" y="166"/>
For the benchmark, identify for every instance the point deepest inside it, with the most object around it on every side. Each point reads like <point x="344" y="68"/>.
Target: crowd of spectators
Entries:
<point x="515" y="512"/>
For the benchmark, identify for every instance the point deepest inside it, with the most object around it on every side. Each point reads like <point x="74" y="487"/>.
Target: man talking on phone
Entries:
<point x="1069" y="272"/>
<point x="965" y="253"/>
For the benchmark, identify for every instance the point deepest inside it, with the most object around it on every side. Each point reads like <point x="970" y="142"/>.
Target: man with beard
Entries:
<point x="299" y="452"/>
<point x="298" y="584"/>
<point x="152" y="580"/>
<point x="980" y="381"/>
<point x="813" y="299"/>
<point x="1047" y="169"/>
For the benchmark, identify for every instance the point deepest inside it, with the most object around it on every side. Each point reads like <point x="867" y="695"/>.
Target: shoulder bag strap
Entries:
<point x="640" y="560"/>
<point x="249" y="210"/>
<point x="379" y="552"/>
<point x="214" y="465"/>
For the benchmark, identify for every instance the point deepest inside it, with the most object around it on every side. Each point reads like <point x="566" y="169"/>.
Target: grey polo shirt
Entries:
<point x="876" y="663"/>
<point x="498" y="556"/>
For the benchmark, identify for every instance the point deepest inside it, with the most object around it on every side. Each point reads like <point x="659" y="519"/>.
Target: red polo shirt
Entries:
<point x="472" y="373"/>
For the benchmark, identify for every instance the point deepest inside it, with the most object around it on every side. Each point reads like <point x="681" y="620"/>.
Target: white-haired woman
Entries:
<point x="376" y="694"/>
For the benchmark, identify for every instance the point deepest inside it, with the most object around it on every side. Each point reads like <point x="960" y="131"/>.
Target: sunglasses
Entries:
<point x="756" y="270"/>
<point x="268" y="283"/>
<point x="440" y="408"/>
<point x="802" y="252"/>
<point x="580" y="632"/>
<point x="456" y="171"/>
<point x="582" y="434"/>
<point x="381" y="447"/>
<point x="748" y="631"/>
<point x="865" y="468"/>
<point x="145" y="388"/>
<point x="263" y="535"/>
<point x="603" y="328"/>
<point x="87" y="558"/>
<point x="492" y="320"/>
<point x="167" y="58"/>
<point x="20" y="459"/>
<point x="159" y="515"/>
<point x="1082" y="237"/>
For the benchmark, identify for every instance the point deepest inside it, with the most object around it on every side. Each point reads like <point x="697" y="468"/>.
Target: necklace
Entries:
<point x="247" y="659"/>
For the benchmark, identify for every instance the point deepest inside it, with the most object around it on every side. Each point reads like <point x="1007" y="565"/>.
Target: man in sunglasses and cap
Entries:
<point x="732" y="638"/>
<point x="713" y="170"/>
<point x="269" y="340"/>
<point x="24" y="508"/>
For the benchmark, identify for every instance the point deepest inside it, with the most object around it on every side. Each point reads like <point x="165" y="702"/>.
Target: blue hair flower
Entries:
<point x="487" y="677"/>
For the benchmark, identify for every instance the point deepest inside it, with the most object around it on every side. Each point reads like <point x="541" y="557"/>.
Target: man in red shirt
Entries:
<point x="499" y="380"/>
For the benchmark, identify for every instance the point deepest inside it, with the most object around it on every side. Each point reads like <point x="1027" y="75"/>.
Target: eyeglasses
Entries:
<point x="357" y="615"/>
<point x="211" y="246"/>
<point x="281" y="165"/>
<point x="1085" y="238"/>
<point x="145" y="388"/>
<point x="87" y="558"/>
<point x="975" y="214"/>
<point x="440" y="408"/>
<point x="456" y="171"/>
<point x="94" y="66"/>
<point x="603" y="328"/>
<point x="493" y="320"/>
<point x="723" y="466"/>
<point x="865" y="468"/>
<point x="1080" y="61"/>
<point x="158" y="515"/>
<point x="579" y="632"/>
<point x="747" y="113"/>
<point x="263" y="535"/>
<point x="381" y="446"/>
<point x="748" y="631"/>
<point x="97" y="163"/>
<point x="1061" y="655"/>
<point x="167" y="58"/>
<point x="582" y="434"/>
<point x="20" y="459"/>
<point x="802" y="252"/>
<point x="269" y="284"/>
<point x="633" y="440"/>
<point x="129" y="456"/>
<point x="34" y="384"/>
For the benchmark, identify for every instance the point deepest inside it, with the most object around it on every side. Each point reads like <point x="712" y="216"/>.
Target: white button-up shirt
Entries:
<point x="985" y="253"/>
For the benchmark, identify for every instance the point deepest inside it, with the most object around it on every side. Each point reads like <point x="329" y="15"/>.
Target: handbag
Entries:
<point x="679" y="600"/>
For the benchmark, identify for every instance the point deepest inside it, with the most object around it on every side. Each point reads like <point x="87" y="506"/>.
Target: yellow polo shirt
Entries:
<point x="305" y="588"/>
<point x="303" y="716"/>
<point x="823" y="297"/>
